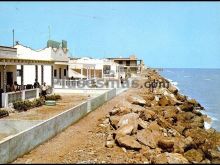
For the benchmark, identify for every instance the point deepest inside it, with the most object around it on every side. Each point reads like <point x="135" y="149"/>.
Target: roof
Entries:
<point x="7" y="48"/>
<point x="128" y="59"/>
<point x="20" y="61"/>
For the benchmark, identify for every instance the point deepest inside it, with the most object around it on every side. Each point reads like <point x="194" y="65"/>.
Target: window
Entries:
<point x="55" y="73"/>
<point x="18" y="72"/>
<point x="106" y="69"/>
<point x="127" y="63"/>
<point x="64" y="72"/>
<point x="120" y="62"/>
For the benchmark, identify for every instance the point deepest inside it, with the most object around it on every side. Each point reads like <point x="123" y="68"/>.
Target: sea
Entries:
<point x="200" y="84"/>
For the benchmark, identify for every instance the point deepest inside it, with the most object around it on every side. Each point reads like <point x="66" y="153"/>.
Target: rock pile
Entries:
<point x="164" y="127"/>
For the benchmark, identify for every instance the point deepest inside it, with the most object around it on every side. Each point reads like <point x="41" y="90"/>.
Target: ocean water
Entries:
<point x="200" y="84"/>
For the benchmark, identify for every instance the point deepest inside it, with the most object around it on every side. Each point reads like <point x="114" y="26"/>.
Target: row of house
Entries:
<point x="54" y="65"/>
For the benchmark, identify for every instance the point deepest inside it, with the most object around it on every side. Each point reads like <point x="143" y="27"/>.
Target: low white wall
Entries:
<point x="11" y="127"/>
<point x="26" y="140"/>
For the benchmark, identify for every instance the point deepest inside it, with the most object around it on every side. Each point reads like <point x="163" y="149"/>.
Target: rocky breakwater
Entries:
<point x="161" y="126"/>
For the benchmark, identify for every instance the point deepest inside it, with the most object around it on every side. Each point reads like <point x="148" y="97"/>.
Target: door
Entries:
<point x="9" y="78"/>
<point x="59" y="73"/>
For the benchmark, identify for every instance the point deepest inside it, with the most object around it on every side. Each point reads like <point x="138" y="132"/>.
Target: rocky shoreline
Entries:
<point x="162" y="126"/>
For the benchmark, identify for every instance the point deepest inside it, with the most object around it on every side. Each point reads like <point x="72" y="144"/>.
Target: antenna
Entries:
<point x="13" y="33"/>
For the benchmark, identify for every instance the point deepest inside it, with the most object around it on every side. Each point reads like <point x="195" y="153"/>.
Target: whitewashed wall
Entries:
<point x="29" y="74"/>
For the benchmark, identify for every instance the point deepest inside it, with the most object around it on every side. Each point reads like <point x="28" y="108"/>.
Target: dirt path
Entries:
<point x="81" y="142"/>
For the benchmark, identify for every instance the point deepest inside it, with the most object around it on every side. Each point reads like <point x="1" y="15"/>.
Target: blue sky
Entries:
<point x="163" y="34"/>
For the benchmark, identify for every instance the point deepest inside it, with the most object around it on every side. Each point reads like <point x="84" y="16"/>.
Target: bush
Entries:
<point x="26" y="104"/>
<point x="53" y="97"/>
<point x="37" y="102"/>
<point x="18" y="105"/>
<point x="3" y="113"/>
<point x="58" y="97"/>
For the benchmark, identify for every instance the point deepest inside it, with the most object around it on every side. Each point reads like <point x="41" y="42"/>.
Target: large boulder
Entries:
<point x="130" y="118"/>
<point x="163" y="122"/>
<point x="173" y="89"/>
<point x="114" y="110"/>
<point x="164" y="101"/>
<point x="147" y="138"/>
<point x="180" y="97"/>
<point x="128" y="142"/>
<point x="185" y="116"/>
<point x="137" y="100"/>
<point x="193" y="156"/>
<point x="182" y="144"/>
<point x="170" y="158"/>
<point x="119" y="111"/>
<point x="135" y="108"/>
<point x="125" y="130"/>
<point x="194" y="102"/>
<point x="198" y="121"/>
<point x="170" y="112"/>
<point x="213" y="155"/>
<point x="153" y="126"/>
<point x="179" y="127"/>
<point x="148" y="97"/>
<point x="186" y="107"/>
<point x="166" y="143"/>
<point x="198" y="135"/>
<point x="142" y="124"/>
<point x="114" y="120"/>
<point x="147" y="115"/>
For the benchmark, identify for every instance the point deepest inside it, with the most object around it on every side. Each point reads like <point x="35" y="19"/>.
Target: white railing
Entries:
<point x="10" y="97"/>
<point x="14" y="96"/>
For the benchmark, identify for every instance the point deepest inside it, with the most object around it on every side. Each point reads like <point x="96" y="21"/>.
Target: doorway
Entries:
<point x="59" y="73"/>
<point x="9" y="78"/>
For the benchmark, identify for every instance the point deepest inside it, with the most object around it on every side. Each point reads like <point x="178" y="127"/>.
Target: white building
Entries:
<point x="9" y="60"/>
<point x="93" y="68"/>
<point x="57" y="54"/>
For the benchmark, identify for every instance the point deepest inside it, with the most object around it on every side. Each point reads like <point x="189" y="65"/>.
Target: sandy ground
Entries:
<point x="45" y="112"/>
<point x="82" y="142"/>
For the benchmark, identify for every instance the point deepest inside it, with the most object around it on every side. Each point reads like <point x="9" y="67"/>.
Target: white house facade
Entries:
<point x="59" y="69"/>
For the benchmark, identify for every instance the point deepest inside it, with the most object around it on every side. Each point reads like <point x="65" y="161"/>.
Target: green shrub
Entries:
<point x="26" y="104"/>
<point x="53" y="97"/>
<point x="39" y="102"/>
<point x="58" y="97"/>
<point x="3" y="113"/>
<point x="18" y="105"/>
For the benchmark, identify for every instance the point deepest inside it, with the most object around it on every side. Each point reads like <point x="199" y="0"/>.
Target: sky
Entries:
<point x="163" y="34"/>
